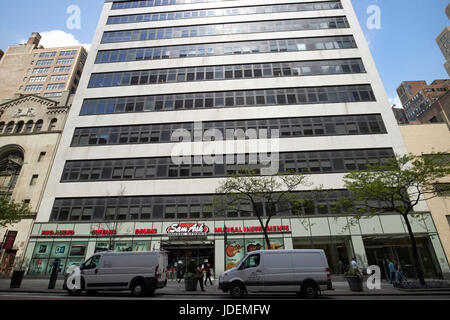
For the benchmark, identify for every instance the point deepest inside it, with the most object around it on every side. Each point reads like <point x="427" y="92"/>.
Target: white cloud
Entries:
<point x="59" y="38"/>
<point x="396" y="101"/>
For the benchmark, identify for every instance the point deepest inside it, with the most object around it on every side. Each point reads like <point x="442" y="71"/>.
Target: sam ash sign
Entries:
<point x="187" y="229"/>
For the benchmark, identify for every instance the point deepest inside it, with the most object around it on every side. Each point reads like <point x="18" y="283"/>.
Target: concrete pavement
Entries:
<point x="33" y="285"/>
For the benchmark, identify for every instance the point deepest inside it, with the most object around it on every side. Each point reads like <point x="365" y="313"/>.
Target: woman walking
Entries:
<point x="208" y="273"/>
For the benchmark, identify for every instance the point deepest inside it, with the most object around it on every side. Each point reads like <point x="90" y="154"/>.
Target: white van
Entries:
<point x="140" y="272"/>
<point x="296" y="271"/>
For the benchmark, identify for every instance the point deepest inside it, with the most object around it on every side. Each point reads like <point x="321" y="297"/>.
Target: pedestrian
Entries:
<point x="208" y="273"/>
<point x="341" y="267"/>
<point x="395" y="276"/>
<point x="391" y="270"/>
<point x="354" y="264"/>
<point x="199" y="275"/>
<point x="180" y="271"/>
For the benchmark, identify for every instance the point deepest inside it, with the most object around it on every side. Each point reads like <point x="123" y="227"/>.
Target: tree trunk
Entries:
<point x="266" y="236"/>
<point x="259" y="216"/>
<point x="420" y="273"/>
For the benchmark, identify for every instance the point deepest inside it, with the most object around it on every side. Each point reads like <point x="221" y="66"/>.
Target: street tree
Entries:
<point x="396" y="185"/>
<point x="262" y="196"/>
<point x="12" y="212"/>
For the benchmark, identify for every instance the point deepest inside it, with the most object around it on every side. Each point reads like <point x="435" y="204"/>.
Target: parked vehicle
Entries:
<point x="140" y="272"/>
<point x="297" y="271"/>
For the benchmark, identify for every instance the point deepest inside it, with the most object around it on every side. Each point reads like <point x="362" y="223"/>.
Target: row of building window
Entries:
<point x="223" y="165"/>
<point x="68" y="53"/>
<point x="52" y="94"/>
<point x="50" y="86"/>
<point x="52" y="78"/>
<point x="227" y="72"/>
<point x="192" y="14"/>
<point x="225" y="48"/>
<point x="184" y="207"/>
<point x="22" y="127"/>
<point x="288" y="127"/>
<point x="58" y="61"/>
<point x="224" y="29"/>
<point x="269" y="97"/>
<point x="35" y="87"/>
<point x="64" y="53"/>
<point x="47" y="54"/>
<point x="155" y="3"/>
<point x="47" y="70"/>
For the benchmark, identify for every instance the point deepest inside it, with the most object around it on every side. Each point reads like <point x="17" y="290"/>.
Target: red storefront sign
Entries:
<point x="252" y="229"/>
<point x="57" y="233"/>
<point x="9" y="240"/>
<point x="187" y="229"/>
<point x="145" y="231"/>
<point x="103" y="232"/>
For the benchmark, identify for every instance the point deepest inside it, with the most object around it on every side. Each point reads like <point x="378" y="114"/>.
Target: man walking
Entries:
<point x="180" y="271"/>
<point x="391" y="270"/>
<point x="199" y="275"/>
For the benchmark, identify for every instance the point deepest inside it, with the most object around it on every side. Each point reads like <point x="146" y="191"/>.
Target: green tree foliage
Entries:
<point x="249" y="192"/>
<point x="12" y="212"/>
<point x="397" y="185"/>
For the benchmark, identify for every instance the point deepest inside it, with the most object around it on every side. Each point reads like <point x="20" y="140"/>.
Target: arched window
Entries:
<point x="11" y="161"/>
<point x="29" y="126"/>
<point x="2" y="126"/>
<point x="9" y="127"/>
<point x="52" y="125"/>
<point x="19" y="127"/>
<point x="38" y="126"/>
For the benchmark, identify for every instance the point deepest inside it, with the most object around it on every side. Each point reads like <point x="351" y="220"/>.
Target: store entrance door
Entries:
<point x="184" y="253"/>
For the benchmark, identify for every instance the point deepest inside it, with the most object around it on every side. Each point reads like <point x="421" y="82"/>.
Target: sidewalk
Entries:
<point x="340" y="286"/>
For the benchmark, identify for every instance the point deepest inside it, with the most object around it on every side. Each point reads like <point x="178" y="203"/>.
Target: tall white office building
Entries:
<point x="157" y="66"/>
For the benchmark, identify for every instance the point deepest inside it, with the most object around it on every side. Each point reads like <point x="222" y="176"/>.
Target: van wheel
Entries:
<point x="309" y="290"/>
<point x="138" y="289"/>
<point x="237" y="290"/>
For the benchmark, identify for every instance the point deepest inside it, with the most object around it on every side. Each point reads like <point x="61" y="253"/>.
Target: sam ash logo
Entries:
<point x="187" y="229"/>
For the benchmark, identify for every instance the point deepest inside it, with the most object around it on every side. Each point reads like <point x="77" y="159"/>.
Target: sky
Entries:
<point x="402" y="44"/>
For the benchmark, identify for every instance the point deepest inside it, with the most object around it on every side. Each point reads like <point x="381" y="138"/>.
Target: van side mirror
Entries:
<point x="82" y="266"/>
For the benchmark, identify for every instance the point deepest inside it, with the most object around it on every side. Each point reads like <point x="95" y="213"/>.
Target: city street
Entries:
<point x="37" y="289"/>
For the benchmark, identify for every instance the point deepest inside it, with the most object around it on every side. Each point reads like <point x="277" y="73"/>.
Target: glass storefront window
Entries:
<point x="78" y="249"/>
<point x="42" y="250"/>
<point x="399" y="248"/>
<point x="62" y="266"/>
<point x="235" y="250"/>
<point x="140" y="246"/>
<point x="338" y="250"/>
<point x="101" y="246"/>
<point x="254" y="244"/>
<point x="122" y="246"/>
<point x="38" y="267"/>
<point x="234" y="253"/>
<point x="60" y="250"/>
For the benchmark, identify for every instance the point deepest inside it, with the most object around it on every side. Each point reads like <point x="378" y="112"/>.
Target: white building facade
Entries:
<point x="302" y="67"/>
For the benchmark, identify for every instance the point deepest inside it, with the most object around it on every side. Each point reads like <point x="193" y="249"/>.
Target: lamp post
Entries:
<point x="225" y="239"/>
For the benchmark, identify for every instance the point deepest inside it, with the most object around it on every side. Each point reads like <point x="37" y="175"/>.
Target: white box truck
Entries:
<point x="298" y="271"/>
<point x="140" y="272"/>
